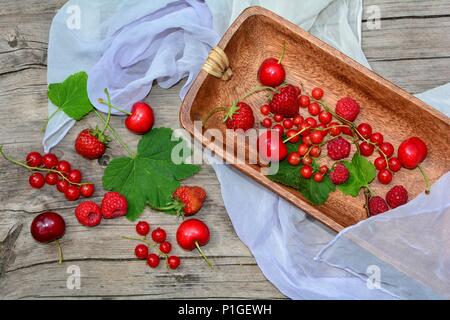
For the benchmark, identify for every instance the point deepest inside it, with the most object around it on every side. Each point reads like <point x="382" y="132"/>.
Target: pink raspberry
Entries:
<point x="397" y="196"/>
<point x="88" y="214"/>
<point x="377" y="205"/>
<point x="338" y="148"/>
<point x="114" y="205"/>
<point x="348" y="108"/>
<point x="340" y="174"/>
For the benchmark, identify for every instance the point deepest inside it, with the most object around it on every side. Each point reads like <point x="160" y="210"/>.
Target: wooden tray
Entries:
<point x="258" y="34"/>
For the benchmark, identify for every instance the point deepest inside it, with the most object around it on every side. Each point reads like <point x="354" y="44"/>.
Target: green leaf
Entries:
<point x="71" y="96"/>
<point x="362" y="173"/>
<point x="150" y="177"/>
<point x="315" y="192"/>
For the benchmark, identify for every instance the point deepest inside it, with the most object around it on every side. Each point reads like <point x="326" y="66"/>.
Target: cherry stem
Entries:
<point x="108" y="117"/>
<point x="214" y="111"/>
<point x="367" y="195"/>
<point x="150" y="244"/>
<point x="203" y="254"/>
<point x="283" y="52"/>
<point x="100" y="100"/>
<point x="38" y="168"/>
<point x="427" y="180"/>
<point x="60" y="252"/>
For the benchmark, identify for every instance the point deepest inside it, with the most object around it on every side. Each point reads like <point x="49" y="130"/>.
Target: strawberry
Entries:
<point x="91" y="144"/>
<point x="114" y="205"/>
<point x="240" y="116"/>
<point x="187" y="201"/>
<point x="285" y="102"/>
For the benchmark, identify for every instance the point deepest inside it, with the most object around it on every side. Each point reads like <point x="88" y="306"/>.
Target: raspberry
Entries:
<point x="285" y="102"/>
<point x="347" y="108"/>
<point x="377" y="205"/>
<point x="397" y="196"/>
<point x="338" y="148"/>
<point x="88" y="214"/>
<point x="340" y="174"/>
<point x="114" y="205"/>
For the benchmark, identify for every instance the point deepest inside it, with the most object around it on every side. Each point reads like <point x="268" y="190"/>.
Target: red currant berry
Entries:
<point x="384" y="176"/>
<point x="307" y="140"/>
<point x="323" y="169"/>
<point x="311" y="122"/>
<point x="72" y="193"/>
<point x="303" y="149"/>
<point x="165" y="247"/>
<point x="304" y="101"/>
<point x="293" y="136"/>
<point x="265" y="109"/>
<point x="318" y="177"/>
<point x="366" y="149"/>
<point x="34" y="159"/>
<point x="317" y="93"/>
<point x="141" y="251"/>
<point x="266" y="122"/>
<point x="394" y="164"/>
<point x="278" y="118"/>
<point x="173" y="262"/>
<point x="51" y="178"/>
<point x="62" y="185"/>
<point x="36" y="180"/>
<point x="279" y="128"/>
<point x="387" y="148"/>
<point x="365" y="130"/>
<point x="325" y="117"/>
<point x="298" y="120"/>
<point x="288" y="123"/>
<point x="294" y="158"/>
<point x="380" y="163"/>
<point x="74" y="176"/>
<point x="142" y="228"/>
<point x="314" y="109"/>
<point x="87" y="190"/>
<point x="377" y="138"/>
<point x="304" y="128"/>
<point x="153" y="260"/>
<point x="306" y="171"/>
<point x="334" y="129"/>
<point x="307" y="160"/>
<point x="347" y="131"/>
<point x="63" y="166"/>
<point x="315" y="152"/>
<point x="49" y="160"/>
<point x="316" y="137"/>
<point x="159" y="235"/>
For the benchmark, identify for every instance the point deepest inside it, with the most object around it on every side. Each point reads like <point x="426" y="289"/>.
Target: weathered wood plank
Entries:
<point x="393" y="9"/>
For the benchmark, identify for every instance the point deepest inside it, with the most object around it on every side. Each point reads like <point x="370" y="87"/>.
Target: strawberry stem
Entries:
<point x="425" y="177"/>
<point x="203" y="254"/>
<point x="60" y="252"/>
<point x="283" y="52"/>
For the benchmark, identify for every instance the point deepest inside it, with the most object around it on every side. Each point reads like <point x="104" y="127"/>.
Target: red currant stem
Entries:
<point x="425" y="177"/>
<point x="38" y="168"/>
<point x="367" y="195"/>
<point x="203" y="254"/>
<point x="60" y="252"/>
<point x="114" y="134"/>
<point x="283" y="52"/>
<point x="295" y="135"/>
<point x="150" y="244"/>
<point x="100" y="100"/>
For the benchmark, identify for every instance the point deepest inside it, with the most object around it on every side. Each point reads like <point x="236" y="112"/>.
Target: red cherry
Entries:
<point x="315" y="152"/>
<point x="294" y="159"/>
<point x="87" y="190"/>
<point x="192" y="233"/>
<point x="74" y="176"/>
<point x="271" y="148"/>
<point x="159" y="235"/>
<point x="34" y="159"/>
<point x="323" y="169"/>
<point x="387" y="148"/>
<point x="266" y="122"/>
<point x="303" y="149"/>
<point x="317" y="93"/>
<point x="365" y="130"/>
<point x="265" y="109"/>
<point x="51" y="178"/>
<point x="394" y="164"/>
<point x="47" y="227"/>
<point x="173" y="262"/>
<point x="142" y="228"/>
<point x="36" y="180"/>
<point x="298" y="120"/>
<point x="316" y="137"/>
<point x="278" y="118"/>
<point x="165" y="247"/>
<point x="307" y="160"/>
<point x="314" y="109"/>
<point x="63" y="166"/>
<point x="325" y="117"/>
<point x="412" y="152"/>
<point x="366" y="149"/>
<point x="49" y="160"/>
<point x="293" y="138"/>
<point x="423" y="150"/>
<point x="384" y="176"/>
<point x="318" y="177"/>
<point x="279" y="128"/>
<point x="306" y="171"/>
<point x="288" y="123"/>
<point x="153" y="260"/>
<point x="380" y="163"/>
<point x="141" y="251"/>
<point x="335" y="130"/>
<point x="377" y="138"/>
<point x="141" y="119"/>
<point x="271" y="73"/>
<point x="304" y="101"/>
<point x="72" y="193"/>
<point x="62" y="185"/>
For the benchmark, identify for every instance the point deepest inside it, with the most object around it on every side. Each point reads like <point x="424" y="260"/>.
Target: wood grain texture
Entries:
<point x="27" y="270"/>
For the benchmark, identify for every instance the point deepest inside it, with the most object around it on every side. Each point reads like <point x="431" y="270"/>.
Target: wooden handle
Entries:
<point x="218" y="65"/>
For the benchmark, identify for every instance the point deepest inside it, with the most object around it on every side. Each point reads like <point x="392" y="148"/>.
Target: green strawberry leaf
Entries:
<point x="71" y="97"/>
<point x="362" y="173"/>
<point x="315" y="192"/>
<point x="151" y="176"/>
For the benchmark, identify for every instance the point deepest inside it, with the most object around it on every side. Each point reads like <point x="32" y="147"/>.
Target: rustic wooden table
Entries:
<point x="412" y="49"/>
